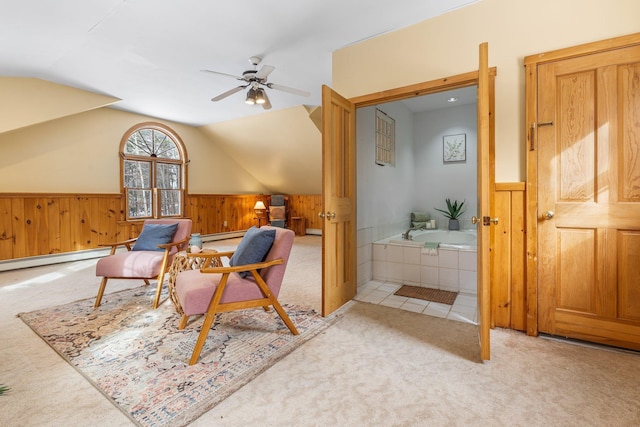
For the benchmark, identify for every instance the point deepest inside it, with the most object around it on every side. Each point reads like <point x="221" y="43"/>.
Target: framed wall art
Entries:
<point x="454" y="148"/>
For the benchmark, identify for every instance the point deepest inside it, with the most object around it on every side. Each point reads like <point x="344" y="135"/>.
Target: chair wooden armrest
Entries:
<point x="116" y="244"/>
<point x="177" y="244"/>
<point x="246" y="267"/>
<point x="210" y="254"/>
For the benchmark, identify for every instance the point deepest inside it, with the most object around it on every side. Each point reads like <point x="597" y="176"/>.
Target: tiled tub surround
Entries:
<point x="452" y="269"/>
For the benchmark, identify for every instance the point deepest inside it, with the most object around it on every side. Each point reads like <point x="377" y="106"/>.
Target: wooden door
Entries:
<point x="484" y="209"/>
<point x="339" y="263"/>
<point x="588" y="219"/>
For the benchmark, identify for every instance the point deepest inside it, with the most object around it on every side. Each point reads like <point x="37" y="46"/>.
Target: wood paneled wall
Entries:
<point x="508" y="290"/>
<point x="44" y="224"/>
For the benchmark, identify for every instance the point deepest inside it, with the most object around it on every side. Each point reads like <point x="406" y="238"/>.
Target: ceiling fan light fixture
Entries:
<point x="251" y="97"/>
<point x="260" y="96"/>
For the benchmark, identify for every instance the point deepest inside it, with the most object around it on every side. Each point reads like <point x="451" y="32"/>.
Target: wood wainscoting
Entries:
<point x="46" y="224"/>
<point x="508" y="258"/>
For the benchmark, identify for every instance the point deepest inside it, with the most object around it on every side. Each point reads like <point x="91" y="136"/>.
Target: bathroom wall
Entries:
<point x="385" y="192"/>
<point x="435" y="180"/>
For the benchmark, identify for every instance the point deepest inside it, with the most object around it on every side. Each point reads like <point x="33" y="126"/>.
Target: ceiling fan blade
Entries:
<point x="267" y="103"/>
<point x="223" y="74"/>
<point x="264" y="72"/>
<point x="288" y="89"/>
<point x="228" y="93"/>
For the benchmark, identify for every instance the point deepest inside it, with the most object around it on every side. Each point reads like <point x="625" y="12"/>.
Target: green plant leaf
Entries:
<point x="454" y="210"/>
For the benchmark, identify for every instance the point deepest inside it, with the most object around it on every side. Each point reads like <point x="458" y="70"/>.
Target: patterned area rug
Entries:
<point x="427" y="294"/>
<point x="138" y="358"/>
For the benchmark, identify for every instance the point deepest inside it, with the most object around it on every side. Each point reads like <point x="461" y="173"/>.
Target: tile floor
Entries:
<point x="464" y="309"/>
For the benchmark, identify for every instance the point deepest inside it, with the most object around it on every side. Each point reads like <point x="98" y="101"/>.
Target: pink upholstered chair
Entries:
<point x="139" y="263"/>
<point x="220" y="289"/>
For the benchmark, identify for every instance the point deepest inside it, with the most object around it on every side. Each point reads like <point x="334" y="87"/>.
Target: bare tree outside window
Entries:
<point x="152" y="172"/>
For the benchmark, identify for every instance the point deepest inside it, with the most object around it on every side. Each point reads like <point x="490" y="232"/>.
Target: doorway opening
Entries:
<point x="422" y="178"/>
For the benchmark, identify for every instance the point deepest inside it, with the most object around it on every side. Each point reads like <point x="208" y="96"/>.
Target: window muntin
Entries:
<point x="152" y="142"/>
<point x="385" y="139"/>
<point x="152" y="172"/>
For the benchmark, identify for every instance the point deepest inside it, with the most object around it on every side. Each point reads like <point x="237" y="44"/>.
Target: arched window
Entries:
<point x="152" y="166"/>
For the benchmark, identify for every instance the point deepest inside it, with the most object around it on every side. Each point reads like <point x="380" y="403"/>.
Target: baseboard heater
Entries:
<point x="41" y="260"/>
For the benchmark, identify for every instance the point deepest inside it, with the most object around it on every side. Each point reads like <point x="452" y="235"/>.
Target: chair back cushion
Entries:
<point x="281" y="249"/>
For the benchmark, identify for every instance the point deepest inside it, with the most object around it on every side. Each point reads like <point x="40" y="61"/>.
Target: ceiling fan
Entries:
<point x="256" y="81"/>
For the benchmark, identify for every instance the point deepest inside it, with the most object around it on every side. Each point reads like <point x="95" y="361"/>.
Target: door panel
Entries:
<point x="484" y="208"/>
<point x="588" y="130"/>
<point x="629" y="272"/>
<point x="339" y="263"/>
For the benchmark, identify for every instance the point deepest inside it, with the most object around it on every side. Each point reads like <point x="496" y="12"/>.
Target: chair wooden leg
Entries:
<point x="276" y="305"/>
<point x="103" y="285"/>
<point x="156" y="300"/>
<point x="285" y="317"/>
<point x="209" y="317"/>
<point x="183" y="321"/>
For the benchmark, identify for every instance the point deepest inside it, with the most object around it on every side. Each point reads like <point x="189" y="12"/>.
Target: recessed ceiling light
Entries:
<point x="452" y="99"/>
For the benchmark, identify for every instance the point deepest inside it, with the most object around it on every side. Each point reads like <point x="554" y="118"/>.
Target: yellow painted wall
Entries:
<point x="448" y="45"/>
<point x="281" y="148"/>
<point x="79" y="153"/>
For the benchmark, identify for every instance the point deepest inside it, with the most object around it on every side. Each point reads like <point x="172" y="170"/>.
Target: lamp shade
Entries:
<point x="251" y="97"/>
<point x="259" y="206"/>
<point x="260" y="96"/>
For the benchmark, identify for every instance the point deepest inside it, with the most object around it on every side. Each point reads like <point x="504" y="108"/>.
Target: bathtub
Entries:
<point x="452" y="267"/>
<point x="449" y="239"/>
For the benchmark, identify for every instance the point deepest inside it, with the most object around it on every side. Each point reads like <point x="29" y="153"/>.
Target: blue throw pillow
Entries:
<point x="253" y="248"/>
<point x="153" y="235"/>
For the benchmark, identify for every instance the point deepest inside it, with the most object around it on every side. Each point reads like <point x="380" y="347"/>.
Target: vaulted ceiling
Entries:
<point x="149" y="53"/>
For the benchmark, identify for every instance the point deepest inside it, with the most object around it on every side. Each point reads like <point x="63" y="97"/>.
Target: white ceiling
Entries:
<point x="438" y="101"/>
<point x="149" y="53"/>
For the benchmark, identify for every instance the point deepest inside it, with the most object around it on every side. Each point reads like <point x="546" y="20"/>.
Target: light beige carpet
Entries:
<point x="377" y="366"/>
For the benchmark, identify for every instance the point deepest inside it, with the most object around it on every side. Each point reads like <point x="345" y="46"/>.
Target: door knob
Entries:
<point x="331" y="215"/>
<point x="474" y="220"/>
<point x="548" y="215"/>
<point x="321" y="215"/>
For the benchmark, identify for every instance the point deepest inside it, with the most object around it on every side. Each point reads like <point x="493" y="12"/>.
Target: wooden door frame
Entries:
<point x="531" y="64"/>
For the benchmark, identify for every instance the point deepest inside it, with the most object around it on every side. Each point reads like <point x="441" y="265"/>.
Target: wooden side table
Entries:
<point x="299" y="225"/>
<point x="188" y="261"/>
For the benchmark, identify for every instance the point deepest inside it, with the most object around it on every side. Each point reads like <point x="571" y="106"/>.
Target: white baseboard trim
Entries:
<point x="38" y="261"/>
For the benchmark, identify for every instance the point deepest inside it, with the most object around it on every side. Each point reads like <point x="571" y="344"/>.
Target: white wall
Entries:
<point x="434" y="180"/>
<point x="384" y="192"/>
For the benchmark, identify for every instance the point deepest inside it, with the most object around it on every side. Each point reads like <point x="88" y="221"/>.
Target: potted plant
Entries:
<point x="453" y="212"/>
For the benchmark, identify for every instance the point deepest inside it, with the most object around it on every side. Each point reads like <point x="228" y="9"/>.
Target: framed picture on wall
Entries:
<point x="454" y="148"/>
